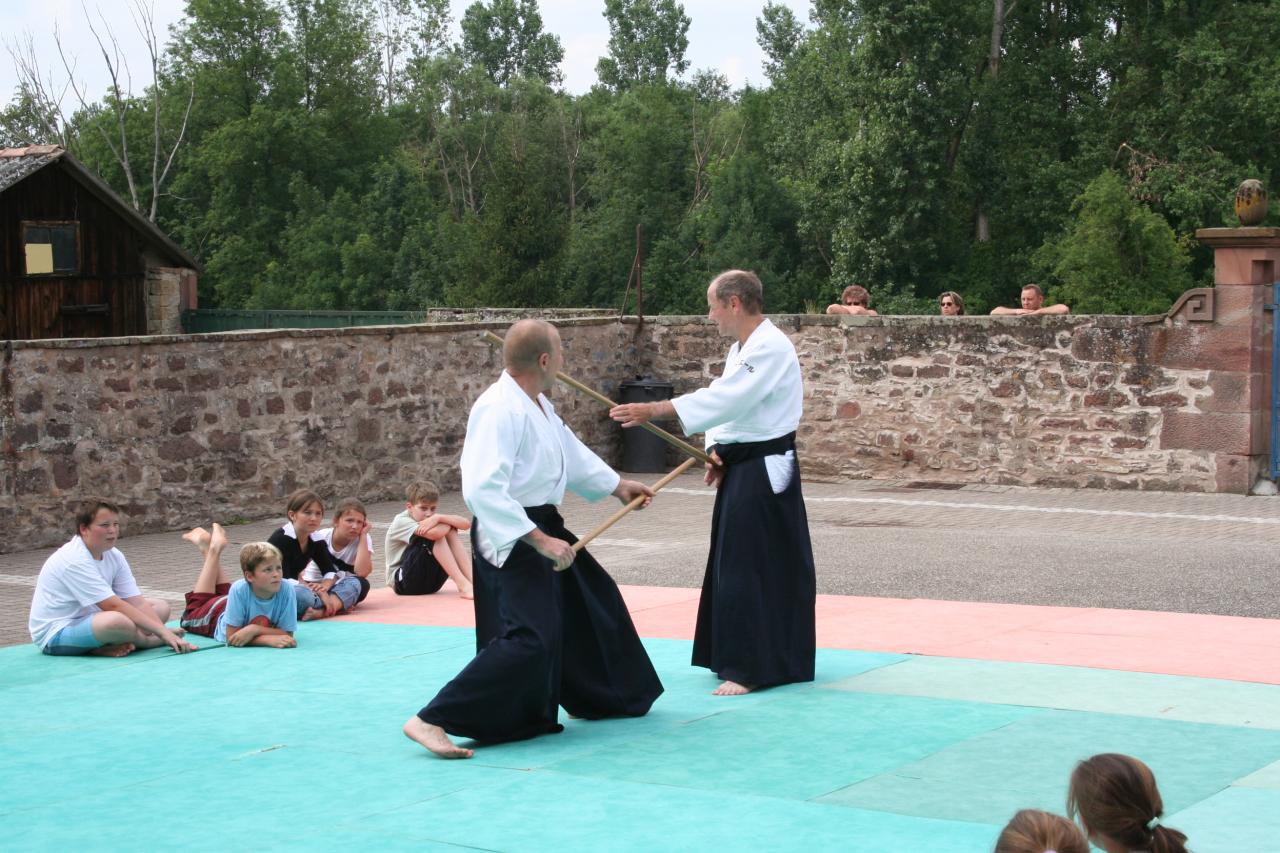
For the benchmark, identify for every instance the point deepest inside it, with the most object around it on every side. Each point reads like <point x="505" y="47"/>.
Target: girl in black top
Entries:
<point x="305" y="512"/>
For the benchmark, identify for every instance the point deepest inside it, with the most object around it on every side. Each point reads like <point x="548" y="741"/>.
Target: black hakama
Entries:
<point x="544" y="639"/>
<point x="756" y="615"/>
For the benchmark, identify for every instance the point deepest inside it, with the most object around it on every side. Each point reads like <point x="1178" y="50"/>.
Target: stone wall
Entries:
<point x="182" y="430"/>
<point x="1106" y="402"/>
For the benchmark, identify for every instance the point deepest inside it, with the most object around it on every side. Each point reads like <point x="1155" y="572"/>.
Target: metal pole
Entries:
<point x="1274" y="308"/>
<point x="639" y="268"/>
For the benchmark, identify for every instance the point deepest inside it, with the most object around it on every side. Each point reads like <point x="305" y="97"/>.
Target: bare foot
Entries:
<point x="732" y="688"/>
<point x="115" y="650"/>
<point x="434" y="739"/>
<point x="199" y="537"/>
<point x="468" y="592"/>
<point x="218" y="539"/>
<point x="312" y="613"/>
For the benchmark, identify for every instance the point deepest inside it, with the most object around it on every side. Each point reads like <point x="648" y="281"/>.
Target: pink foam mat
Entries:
<point x="1206" y="646"/>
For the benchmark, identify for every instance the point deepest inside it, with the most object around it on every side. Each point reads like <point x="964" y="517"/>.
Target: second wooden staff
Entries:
<point x="635" y="502"/>
<point x="593" y="394"/>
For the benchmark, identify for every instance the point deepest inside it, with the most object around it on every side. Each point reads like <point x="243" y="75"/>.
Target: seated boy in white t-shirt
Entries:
<point x="258" y="610"/>
<point x="86" y="600"/>
<point x="350" y="545"/>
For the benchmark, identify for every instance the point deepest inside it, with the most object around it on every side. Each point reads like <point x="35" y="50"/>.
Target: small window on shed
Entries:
<point x="52" y="248"/>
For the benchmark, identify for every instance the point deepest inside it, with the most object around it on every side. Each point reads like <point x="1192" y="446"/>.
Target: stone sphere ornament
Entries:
<point x="1251" y="202"/>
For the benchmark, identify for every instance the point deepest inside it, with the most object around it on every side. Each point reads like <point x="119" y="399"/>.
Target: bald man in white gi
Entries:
<point x="756" y="615"/>
<point x="551" y="627"/>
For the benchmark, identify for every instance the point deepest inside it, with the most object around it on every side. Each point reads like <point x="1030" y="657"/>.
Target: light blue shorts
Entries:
<point x="75" y="639"/>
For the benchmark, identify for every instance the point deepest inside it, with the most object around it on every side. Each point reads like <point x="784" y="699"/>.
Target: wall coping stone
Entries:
<point x="389" y="331"/>
<point x="1111" y="321"/>
<point x="1240" y="238"/>
<point x="795" y="321"/>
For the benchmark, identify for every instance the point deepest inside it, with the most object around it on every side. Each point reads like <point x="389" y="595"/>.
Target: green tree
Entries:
<point x="232" y="50"/>
<point x="778" y="33"/>
<point x="1117" y="256"/>
<point x="647" y="40"/>
<point x="23" y="122"/>
<point x="639" y="156"/>
<point x="335" y="56"/>
<point x="505" y="38"/>
<point x="406" y="32"/>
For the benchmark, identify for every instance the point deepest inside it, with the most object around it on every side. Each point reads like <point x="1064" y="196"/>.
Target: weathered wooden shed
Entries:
<point x="76" y="260"/>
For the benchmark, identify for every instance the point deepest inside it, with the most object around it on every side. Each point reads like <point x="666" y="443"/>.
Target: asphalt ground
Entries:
<point x="1190" y="553"/>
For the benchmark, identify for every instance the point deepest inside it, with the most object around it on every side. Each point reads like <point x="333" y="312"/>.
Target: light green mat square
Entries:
<point x="1167" y="697"/>
<point x="1267" y="777"/>
<point x="1236" y="820"/>
<point x="804" y="745"/>
<point x="546" y="810"/>
<point x="1027" y="765"/>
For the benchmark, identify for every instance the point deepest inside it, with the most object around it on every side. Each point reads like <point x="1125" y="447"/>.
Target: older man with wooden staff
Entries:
<point x="551" y="627"/>
<point x="756" y="617"/>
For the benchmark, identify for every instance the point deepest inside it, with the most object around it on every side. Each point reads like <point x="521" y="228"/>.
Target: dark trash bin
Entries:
<point x="642" y="451"/>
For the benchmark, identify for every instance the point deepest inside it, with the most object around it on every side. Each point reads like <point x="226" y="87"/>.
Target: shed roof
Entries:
<point x="16" y="164"/>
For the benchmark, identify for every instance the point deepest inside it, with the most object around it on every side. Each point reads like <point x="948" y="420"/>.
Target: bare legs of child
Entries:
<point x="211" y="546"/>
<point x="456" y="562"/>
<point x="122" y="636"/>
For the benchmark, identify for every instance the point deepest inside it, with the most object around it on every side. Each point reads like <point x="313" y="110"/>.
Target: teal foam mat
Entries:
<point x="1165" y="697"/>
<point x="301" y="749"/>
<point x="1027" y="763"/>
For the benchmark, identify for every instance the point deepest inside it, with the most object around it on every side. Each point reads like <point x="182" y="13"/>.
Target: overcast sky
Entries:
<point x="722" y="35"/>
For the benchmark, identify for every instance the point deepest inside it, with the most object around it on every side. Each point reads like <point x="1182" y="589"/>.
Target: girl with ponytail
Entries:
<point x="1119" y="806"/>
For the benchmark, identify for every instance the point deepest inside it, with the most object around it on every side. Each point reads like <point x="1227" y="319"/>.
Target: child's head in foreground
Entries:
<point x="1117" y="802"/>
<point x="1034" y="831"/>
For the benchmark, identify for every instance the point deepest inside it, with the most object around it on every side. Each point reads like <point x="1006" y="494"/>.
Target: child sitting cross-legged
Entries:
<point x="257" y="610"/>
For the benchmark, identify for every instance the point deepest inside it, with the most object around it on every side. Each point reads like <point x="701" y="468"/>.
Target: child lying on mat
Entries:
<point x="257" y="610"/>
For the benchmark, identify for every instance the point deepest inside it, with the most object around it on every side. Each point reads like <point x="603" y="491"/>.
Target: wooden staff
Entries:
<point x="656" y="430"/>
<point x="635" y="502"/>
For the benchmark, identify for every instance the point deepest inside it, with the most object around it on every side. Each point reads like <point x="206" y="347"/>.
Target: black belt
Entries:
<point x="741" y="451"/>
<point x="544" y="514"/>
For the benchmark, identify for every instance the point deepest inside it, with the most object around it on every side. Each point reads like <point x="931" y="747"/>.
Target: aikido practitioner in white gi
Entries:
<point x="756" y="617"/>
<point x="551" y="627"/>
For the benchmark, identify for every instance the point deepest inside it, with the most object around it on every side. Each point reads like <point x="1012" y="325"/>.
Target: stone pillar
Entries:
<point x="164" y="300"/>
<point x="1238" y="352"/>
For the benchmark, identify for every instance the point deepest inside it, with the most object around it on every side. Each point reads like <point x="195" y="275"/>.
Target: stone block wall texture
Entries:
<point x="188" y="429"/>
<point x="1100" y="402"/>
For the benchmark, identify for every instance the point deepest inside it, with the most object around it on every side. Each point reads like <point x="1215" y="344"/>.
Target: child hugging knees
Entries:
<point x="258" y="610"/>
<point x="317" y="585"/>
<point x="423" y="548"/>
